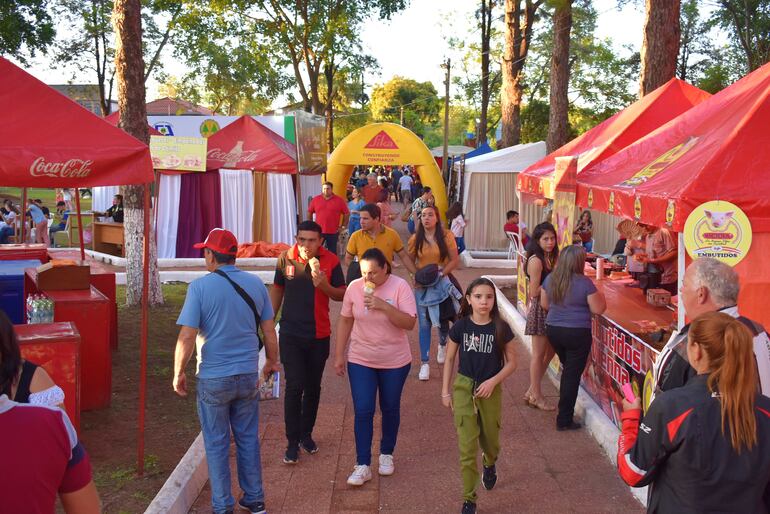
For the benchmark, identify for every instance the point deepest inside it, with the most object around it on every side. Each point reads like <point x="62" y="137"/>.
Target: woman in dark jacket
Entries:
<point x="705" y="446"/>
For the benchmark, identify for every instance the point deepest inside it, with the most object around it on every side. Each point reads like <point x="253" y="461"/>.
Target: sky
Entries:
<point x="412" y="44"/>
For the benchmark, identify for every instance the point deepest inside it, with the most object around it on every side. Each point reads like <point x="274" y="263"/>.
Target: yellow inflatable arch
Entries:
<point x="385" y="144"/>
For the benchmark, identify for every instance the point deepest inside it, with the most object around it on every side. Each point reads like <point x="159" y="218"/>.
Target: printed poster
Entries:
<point x="178" y="153"/>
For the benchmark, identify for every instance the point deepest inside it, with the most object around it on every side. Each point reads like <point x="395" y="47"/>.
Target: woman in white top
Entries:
<point x="457" y="222"/>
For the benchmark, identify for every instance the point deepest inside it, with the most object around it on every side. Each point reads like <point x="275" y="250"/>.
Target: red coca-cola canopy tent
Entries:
<point x="246" y="144"/>
<point x="719" y="149"/>
<point x="612" y="135"/>
<point x="48" y="140"/>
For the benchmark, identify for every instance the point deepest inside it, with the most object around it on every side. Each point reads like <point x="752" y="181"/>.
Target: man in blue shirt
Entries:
<point x="223" y="326"/>
<point x="40" y="222"/>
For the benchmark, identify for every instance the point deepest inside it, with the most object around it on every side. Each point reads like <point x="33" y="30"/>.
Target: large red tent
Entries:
<point x="246" y="144"/>
<point x="622" y="129"/>
<point x="47" y="140"/>
<point x="718" y="150"/>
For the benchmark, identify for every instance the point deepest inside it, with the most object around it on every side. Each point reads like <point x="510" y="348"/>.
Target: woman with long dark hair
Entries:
<point x="542" y="253"/>
<point x="377" y="311"/>
<point x="21" y="380"/>
<point x="570" y="299"/>
<point x="705" y="446"/>
<point x="585" y="229"/>
<point x="432" y="244"/>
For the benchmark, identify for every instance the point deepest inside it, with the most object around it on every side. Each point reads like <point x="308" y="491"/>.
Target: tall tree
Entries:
<point x="26" y="27"/>
<point x="486" y="14"/>
<point x="560" y="65"/>
<point x="418" y="100"/>
<point x="519" y="21"/>
<point x="660" y="46"/>
<point x="129" y="68"/>
<point x="695" y="43"/>
<point x="748" y="22"/>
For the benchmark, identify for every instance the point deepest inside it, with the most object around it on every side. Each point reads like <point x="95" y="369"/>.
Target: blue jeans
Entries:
<point x="424" y="332"/>
<point x="365" y="382"/>
<point x="225" y="403"/>
<point x="588" y="245"/>
<point x="5" y="233"/>
<point x="460" y="244"/>
<point x="410" y="225"/>
<point x="353" y="225"/>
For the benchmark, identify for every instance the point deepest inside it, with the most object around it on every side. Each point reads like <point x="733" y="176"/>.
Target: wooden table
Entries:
<point x="108" y="238"/>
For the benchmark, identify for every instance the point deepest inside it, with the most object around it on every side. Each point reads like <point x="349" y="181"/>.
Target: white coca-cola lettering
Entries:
<point x="243" y="156"/>
<point x="72" y="168"/>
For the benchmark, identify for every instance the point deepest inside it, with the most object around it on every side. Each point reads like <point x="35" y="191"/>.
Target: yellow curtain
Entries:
<point x="261" y="220"/>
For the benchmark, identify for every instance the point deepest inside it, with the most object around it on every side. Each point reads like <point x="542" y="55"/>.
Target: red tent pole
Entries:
<point x="80" y="225"/>
<point x="145" y="326"/>
<point x="23" y="214"/>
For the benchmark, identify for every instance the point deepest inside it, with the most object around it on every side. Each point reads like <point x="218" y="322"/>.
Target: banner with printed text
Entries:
<point x="178" y="153"/>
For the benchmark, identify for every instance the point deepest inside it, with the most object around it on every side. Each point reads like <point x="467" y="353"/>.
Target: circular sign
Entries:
<point x="208" y="127"/>
<point x="720" y="230"/>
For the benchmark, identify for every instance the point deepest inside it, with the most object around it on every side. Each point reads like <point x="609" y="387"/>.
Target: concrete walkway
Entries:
<point x="540" y="469"/>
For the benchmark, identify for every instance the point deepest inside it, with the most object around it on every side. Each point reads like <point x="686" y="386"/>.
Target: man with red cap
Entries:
<point x="221" y="315"/>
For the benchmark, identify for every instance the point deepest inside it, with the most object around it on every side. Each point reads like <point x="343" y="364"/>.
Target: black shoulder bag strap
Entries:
<point x="246" y="298"/>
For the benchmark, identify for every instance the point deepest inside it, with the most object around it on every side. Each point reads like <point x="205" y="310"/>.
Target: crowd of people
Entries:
<point x="41" y="223"/>
<point x="703" y="444"/>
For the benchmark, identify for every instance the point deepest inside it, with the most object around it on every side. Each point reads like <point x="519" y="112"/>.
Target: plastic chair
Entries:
<point x="514" y="244"/>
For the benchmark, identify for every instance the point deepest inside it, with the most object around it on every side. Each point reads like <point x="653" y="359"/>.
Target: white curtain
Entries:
<point x="101" y="197"/>
<point x="237" y="191"/>
<point x="168" y="215"/>
<point x="489" y="197"/>
<point x="283" y="207"/>
<point x="309" y="186"/>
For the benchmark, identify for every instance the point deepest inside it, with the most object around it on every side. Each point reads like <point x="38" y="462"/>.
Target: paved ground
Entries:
<point x="540" y="469"/>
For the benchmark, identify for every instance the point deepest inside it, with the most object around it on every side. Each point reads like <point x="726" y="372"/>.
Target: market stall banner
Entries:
<point x="178" y="153"/>
<point x="719" y="230"/>
<point x="621" y="130"/>
<point x="312" y="146"/>
<point x="717" y="149"/>
<point x="617" y="358"/>
<point x="565" y="176"/>
<point x="48" y="140"/>
<point x="206" y="126"/>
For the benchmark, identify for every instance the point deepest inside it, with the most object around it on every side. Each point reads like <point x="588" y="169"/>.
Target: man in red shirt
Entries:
<point x="41" y="457"/>
<point x="372" y="190"/>
<point x="331" y="212"/>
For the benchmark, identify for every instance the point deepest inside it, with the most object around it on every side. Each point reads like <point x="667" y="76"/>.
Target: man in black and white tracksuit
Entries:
<point x="709" y="285"/>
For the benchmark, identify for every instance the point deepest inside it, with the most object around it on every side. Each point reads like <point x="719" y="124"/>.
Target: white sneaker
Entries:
<point x="441" y="356"/>
<point x="386" y="465"/>
<point x="424" y="371"/>
<point x="361" y="474"/>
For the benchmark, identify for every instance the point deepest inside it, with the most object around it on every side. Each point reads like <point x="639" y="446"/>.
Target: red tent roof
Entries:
<point x="612" y="135"/>
<point x="246" y="144"/>
<point x="719" y="149"/>
<point x="114" y="119"/>
<point x="47" y="140"/>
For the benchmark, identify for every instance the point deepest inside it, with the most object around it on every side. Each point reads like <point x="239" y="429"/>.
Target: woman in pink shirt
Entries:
<point x="377" y="312"/>
<point x="388" y="215"/>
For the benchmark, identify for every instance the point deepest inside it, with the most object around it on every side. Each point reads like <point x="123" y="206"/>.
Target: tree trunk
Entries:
<point x="329" y="107"/>
<point x="660" y="46"/>
<point x="129" y="66"/>
<point x="486" y="32"/>
<point x="557" y="118"/>
<point x="518" y="34"/>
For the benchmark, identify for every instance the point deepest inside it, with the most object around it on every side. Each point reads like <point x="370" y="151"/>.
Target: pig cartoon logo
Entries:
<point x="718" y="221"/>
<point x="720" y="230"/>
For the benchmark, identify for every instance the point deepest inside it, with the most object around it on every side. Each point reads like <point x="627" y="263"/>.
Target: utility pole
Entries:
<point x="402" y="115"/>
<point x="444" y="161"/>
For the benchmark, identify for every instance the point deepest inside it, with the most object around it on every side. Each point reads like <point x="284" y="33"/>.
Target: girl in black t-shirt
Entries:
<point x="486" y="358"/>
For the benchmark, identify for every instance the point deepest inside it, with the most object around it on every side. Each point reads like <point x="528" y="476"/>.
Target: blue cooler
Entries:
<point x="12" y="288"/>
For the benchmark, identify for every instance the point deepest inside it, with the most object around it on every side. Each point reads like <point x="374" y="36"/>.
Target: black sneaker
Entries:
<point x="254" y="508"/>
<point x="292" y="454"/>
<point x="468" y="507"/>
<point x="309" y="445"/>
<point x="574" y="425"/>
<point x="489" y="477"/>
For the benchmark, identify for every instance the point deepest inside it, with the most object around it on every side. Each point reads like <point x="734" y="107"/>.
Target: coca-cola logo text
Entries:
<point x="218" y="154"/>
<point x="73" y="168"/>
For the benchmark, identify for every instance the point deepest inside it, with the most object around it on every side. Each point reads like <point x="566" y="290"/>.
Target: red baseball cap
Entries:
<point x="221" y="241"/>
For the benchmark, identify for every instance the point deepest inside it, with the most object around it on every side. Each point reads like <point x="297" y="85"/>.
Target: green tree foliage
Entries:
<point x="26" y="27"/>
<point x="748" y="24"/>
<point x="420" y="102"/>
